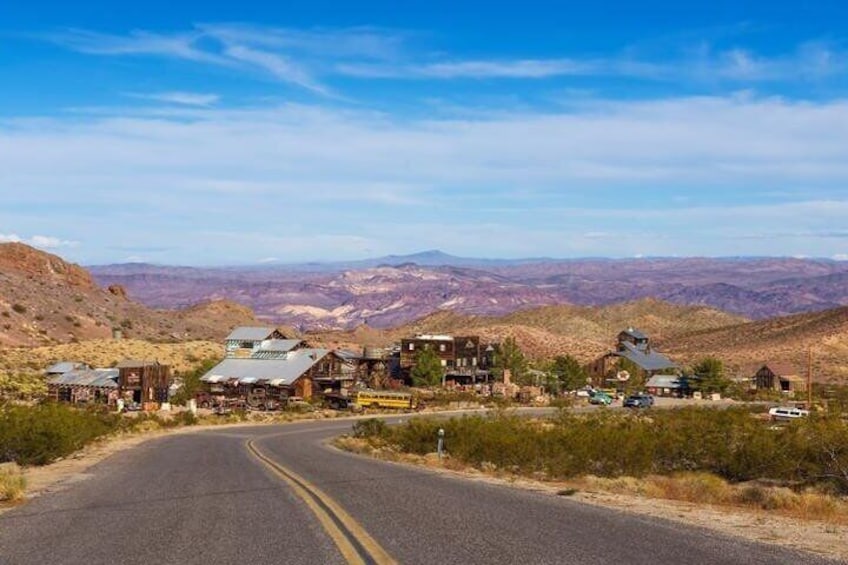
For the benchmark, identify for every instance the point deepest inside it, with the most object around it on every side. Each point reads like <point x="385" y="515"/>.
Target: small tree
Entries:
<point x="568" y="372"/>
<point x="428" y="370"/>
<point x="709" y="376"/>
<point x="510" y="357"/>
<point x="191" y="382"/>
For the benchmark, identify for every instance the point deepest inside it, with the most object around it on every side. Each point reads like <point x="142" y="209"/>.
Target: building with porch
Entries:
<point x="634" y="346"/>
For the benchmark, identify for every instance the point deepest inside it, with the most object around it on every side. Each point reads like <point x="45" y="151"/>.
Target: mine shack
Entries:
<point x="83" y="386"/>
<point x="144" y="383"/>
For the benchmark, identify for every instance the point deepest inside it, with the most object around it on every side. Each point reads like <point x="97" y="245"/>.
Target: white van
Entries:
<point x="787" y="413"/>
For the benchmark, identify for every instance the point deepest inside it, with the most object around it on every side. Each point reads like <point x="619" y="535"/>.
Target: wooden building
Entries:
<point x="300" y="372"/>
<point x="460" y="355"/>
<point x="144" y="382"/>
<point x="84" y="385"/>
<point x="244" y="342"/>
<point x="634" y="346"/>
<point x="780" y="377"/>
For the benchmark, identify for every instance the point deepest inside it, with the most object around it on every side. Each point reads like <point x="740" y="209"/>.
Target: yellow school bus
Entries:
<point x="385" y="399"/>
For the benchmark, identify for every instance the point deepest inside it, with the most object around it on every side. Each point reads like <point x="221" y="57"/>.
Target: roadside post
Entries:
<point x="440" y="447"/>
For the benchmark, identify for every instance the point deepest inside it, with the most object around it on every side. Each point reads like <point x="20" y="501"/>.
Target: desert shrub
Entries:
<point x="732" y="444"/>
<point x="21" y="386"/>
<point x="184" y="418"/>
<point x="39" y="318"/>
<point x="19" y="308"/>
<point x="37" y="435"/>
<point x="370" y="428"/>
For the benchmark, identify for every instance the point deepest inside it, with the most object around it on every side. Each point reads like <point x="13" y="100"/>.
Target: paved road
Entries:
<point x="206" y="498"/>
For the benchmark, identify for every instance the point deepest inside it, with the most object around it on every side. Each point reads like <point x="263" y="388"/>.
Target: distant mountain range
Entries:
<point x="396" y="289"/>
<point x="45" y="300"/>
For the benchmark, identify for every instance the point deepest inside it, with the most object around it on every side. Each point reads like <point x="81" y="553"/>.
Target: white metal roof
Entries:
<point x="251" y="333"/>
<point x="283" y="371"/>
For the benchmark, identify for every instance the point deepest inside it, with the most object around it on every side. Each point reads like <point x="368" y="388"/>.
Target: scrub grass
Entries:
<point x="12" y="484"/>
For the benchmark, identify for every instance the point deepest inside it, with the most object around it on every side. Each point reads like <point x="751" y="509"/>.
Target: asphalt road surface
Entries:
<point x="279" y="495"/>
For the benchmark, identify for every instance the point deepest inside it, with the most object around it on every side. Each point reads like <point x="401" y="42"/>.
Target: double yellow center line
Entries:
<point x="354" y="543"/>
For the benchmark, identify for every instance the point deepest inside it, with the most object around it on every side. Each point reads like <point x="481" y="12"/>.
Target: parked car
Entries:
<point x="338" y="401"/>
<point x="639" y="401"/>
<point x="601" y="398"/>
<point x="296" y="404"/>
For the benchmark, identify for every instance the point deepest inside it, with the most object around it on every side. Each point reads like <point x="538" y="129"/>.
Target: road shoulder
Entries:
<point x="821" y="538"/>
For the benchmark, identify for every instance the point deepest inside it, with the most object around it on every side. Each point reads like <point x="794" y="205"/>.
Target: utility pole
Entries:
<point x="810" y="378"/>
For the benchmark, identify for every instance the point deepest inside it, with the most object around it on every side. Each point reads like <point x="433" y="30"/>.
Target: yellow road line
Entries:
<point x="345" y="532"/>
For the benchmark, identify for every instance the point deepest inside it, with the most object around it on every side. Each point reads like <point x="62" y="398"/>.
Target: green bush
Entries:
<point x="191" y="382"/>
<point x="37" y="435"/>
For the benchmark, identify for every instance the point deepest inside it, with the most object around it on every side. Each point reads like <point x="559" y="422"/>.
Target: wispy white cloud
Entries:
<point x="810" y="60"/>
<point x="307" y="57"/>
<point x="198" y="45"/>
<point x="327" y="43"/>
<point x="298" y="173"/>
<point x="276" y="65"/>
<point x="522" y="68"/>
<point x="176" y="97"/>
<point x="40" y="241"/>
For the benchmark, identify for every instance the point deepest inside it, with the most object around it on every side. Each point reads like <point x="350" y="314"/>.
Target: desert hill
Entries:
<point x="686" y="333"/>
<point x="547" y="331"/>
<point x="46" y="300"/>
<point x="784" y="340"/>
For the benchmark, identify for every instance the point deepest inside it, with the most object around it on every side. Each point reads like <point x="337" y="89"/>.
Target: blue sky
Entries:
<point x="204" y="134"/>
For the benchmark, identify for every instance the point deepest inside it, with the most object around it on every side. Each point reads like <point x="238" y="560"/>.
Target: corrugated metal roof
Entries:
<point x="279" y="345"/>
<point x="633" y="332"/>
<point x="664" y="381"/>
<point x="284" y="371"/>
<point x="647" y="360"/>
<point x="64" y="367"/>
<point x="102" y="378"/>
<point x="251" y="333"/>
<point x="348" y="355"/>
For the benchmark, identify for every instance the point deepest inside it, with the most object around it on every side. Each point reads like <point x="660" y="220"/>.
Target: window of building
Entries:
<point x="442" y="347"/>
<point x="412" y="347"/>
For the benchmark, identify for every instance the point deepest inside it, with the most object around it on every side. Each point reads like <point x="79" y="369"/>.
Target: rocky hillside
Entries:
<point x="45" y="300"/>
<point x="785" y="340"/>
